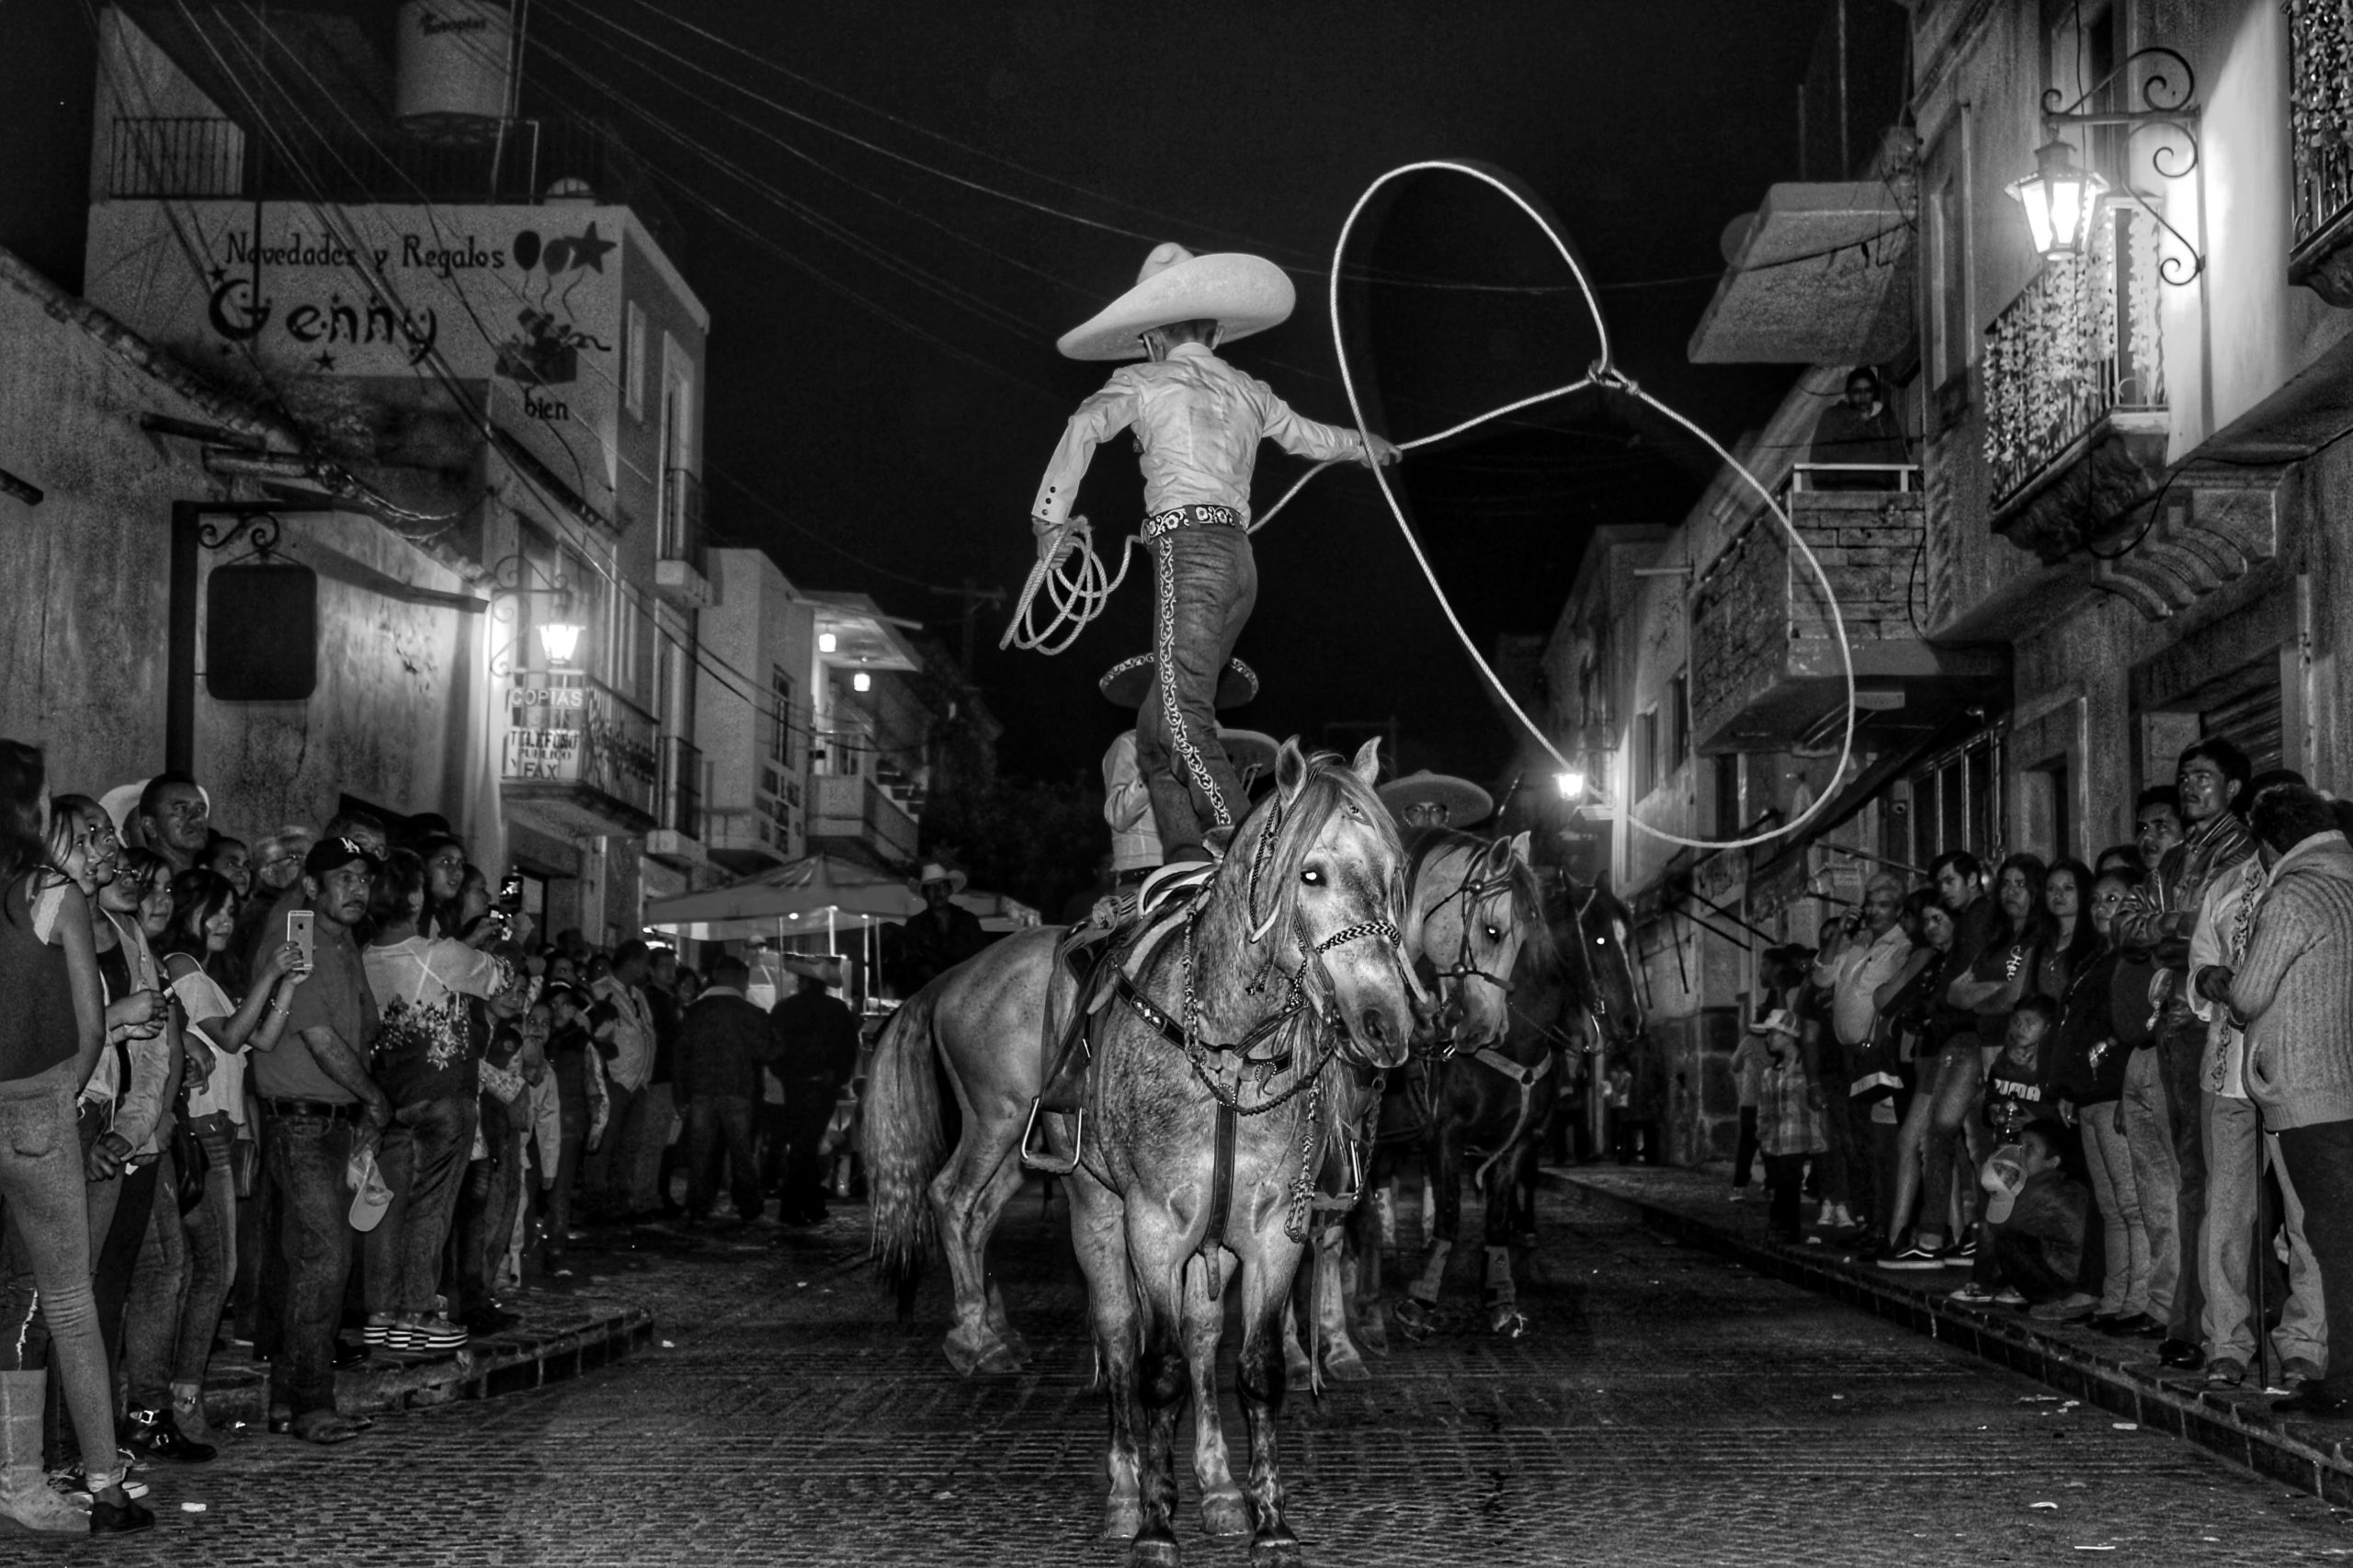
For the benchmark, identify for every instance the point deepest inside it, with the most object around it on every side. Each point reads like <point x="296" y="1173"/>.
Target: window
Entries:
<point x="1728" y="820"/>
<point x="1645" y="753"/>
<point x="1957" y="802"/>
<point x="633" y="360"/>
<point x="1678" y="721"/>
<point x="1946" y="276"/>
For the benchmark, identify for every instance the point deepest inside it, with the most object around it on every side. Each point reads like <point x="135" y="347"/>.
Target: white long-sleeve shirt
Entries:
<point x="2225" y="920"/>
<point x="1198" y="422"/>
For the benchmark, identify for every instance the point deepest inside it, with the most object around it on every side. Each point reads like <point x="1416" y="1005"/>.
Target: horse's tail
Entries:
<point x="900" y="1137"/>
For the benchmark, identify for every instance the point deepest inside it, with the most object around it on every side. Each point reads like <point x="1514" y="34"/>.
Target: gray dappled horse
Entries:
<point x="1215" y="1078"/>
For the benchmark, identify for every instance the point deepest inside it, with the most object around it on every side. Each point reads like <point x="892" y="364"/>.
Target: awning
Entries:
<point x="815" y="893"/>
<point x="1823" y="275"/>
<point x="1865" y="787"/>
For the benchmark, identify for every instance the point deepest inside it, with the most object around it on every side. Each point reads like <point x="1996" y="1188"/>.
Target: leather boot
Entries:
<point x="26" y="1496"/>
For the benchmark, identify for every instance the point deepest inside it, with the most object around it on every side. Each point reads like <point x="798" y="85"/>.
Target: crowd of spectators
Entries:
<point x="2118" y="1094"/>
<point x="322" y="1096"/>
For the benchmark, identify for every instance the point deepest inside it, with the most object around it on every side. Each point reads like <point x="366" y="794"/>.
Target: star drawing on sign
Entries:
<point x="588" y="250"/>
<point x="220" y="276"/>
<point x="325" y="361"/>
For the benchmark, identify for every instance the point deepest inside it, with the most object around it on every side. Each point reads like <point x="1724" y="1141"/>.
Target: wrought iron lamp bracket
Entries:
<point x="219" y="524"/>
<point x="2167" y="87"/>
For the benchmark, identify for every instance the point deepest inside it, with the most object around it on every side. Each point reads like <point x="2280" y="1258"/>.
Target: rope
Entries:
<point x="1078" y="584"/>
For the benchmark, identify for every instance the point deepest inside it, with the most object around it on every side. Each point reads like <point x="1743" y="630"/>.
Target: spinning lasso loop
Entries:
<point x="1077" y="581"/>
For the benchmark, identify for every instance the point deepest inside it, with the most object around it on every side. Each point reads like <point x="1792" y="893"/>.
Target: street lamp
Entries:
<point x="559" y="638"/>
<point x="828" y="643"/>
<point x="2061" y="200"/>
<point x="861" y="681"/>
<point x="1571" y="784"/>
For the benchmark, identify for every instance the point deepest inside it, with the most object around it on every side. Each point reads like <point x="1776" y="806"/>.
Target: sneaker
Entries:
<point x="1963" y="1250"/>
<point x="2066" y="1308"/>
<point x="1913" y="1256"/>
<point x="72" y="1484"/>
<point x="441" y="1335"/>
<point x="2225" y="1373"/>
<point x="1972" y="1295"/>
<point x="2009" y="1296"/>
<point x="377" y="1331"/>
<point x="1739" y="1195"/>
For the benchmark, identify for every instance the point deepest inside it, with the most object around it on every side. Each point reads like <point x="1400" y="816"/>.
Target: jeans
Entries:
<point x="310" y="1257"/>
<point x="1784" y="1184"/>
<point x="720" y="1126"/>
<point x="2181" y="1057"/>
<point x="486" y="1216"/>
<point x="2319" y="1160"/>
<point x="1846" y="1164"/>
<point x="150" y="1323"/>
<point x="657" y="1123"/>
<point x="2234" y="1192"/>
<point x="2022" y="1261"/>
<point x="423" y="1159"/>
<point x="605" y="1170"/>
<point x="211" y="1228"/>
<point x="807" y="1110"/>
<point x="1745" y="1153"/>
<point x="2124" y="1284"/>
<point x="1206" y="583"/>
<point x="46" y="1204"/>
<point x="2148" y="1137"/>
<point x="1952" y="1115"/>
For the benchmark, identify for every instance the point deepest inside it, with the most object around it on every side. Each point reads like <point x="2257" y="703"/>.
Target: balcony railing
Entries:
<point x="679" y="809"/>
<point x="2320" y="114"/>
<point x="849" y="807"/>
<point x="2079" y="349"/>
<point x="515" y="163"/>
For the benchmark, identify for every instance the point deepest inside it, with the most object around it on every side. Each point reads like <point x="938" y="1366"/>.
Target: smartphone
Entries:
<point x="298" y="931"/>
<point x="511" y="894"/>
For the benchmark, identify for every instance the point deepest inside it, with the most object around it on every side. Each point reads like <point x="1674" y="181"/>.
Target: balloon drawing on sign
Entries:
<point x="546" y="351"/>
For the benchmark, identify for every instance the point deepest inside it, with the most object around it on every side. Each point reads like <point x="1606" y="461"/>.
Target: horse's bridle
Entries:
<point x="1473" y="891"/>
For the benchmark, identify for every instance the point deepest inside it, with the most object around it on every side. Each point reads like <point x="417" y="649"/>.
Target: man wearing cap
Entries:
<point x="941" y="935"/>
<point x="1197" y="423"/>
<point x="323" y="1107"/>
<point x="1425" y="800"/>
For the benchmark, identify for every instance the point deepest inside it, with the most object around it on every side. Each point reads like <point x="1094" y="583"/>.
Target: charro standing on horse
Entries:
<point x="1197" y="422"/>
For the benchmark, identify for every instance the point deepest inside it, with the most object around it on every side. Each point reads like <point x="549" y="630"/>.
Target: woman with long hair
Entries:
<point x="2093" y="1059"/>
<point x="2075" y="941"/>
<point x="168" y="1344"/>
<point x="52" y="1033"/>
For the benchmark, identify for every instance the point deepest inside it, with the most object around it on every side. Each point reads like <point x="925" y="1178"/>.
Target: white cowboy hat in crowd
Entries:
<point x="933" y="871"/>
<point x="1242" y="293"/>
<point x="1126" y="682"/>
<point x="1464" y="801"/>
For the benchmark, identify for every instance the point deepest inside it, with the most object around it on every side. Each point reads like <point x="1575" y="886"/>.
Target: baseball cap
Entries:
<point x="2003" y="1178"/>
<point x="333" y="854"/>
<point x="370" y="1194"/>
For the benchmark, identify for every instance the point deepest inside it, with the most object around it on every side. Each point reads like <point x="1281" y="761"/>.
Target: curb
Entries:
<point x="2249" y="1437"/>
<point x="512" y="1362"/>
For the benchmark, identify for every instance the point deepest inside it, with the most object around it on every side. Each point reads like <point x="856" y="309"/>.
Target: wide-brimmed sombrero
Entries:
<point x="1242" y="293"/>
<point x="933" y="871"/>
<point x="1464" y="801"/>
<point x="826" y="968"/>
<point x="1252" y="752"/>
<point x="1126" y="682"/>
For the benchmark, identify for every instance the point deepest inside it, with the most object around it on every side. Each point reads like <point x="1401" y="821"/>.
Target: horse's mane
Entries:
<point x="1263" y="875"/>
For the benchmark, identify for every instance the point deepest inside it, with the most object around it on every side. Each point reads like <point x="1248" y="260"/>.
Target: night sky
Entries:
<point x="883" y="374"/>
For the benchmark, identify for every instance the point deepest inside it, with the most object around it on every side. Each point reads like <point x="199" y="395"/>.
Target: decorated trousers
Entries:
<point x="1206" y="583"/>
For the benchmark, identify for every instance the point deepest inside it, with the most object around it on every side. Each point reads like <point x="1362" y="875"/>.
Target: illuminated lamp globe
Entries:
<point x="2061" y="200"/>
<point x="861" y="681"/>
<point x="559" y="640"/>
<point x="828" y="643"/>
<point x="1571" y="785"/>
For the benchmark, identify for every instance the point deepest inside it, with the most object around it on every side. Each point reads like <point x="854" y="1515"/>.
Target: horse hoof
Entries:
<point x="998" y="1362"/>
<point x="1509" y="1321"/>
<point x="1413" y="1317"/>
<point x="1373" y="1333"/>
<point x="1122" y="1519"/>
<point x="1157" y="1551"/>
<point x="1224" y="1514"/>
<point x="1278" y="1550"/>
<point x="1347" y="1366"/>
<point x="1296" y="1366"/>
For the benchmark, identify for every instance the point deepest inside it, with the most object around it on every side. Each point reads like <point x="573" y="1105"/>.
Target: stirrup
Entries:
<point x="1044" y="1160"/>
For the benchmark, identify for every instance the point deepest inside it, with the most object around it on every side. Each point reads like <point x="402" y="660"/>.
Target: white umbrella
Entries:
<point x="841" y="893"/>
<point x="997" y="912"/>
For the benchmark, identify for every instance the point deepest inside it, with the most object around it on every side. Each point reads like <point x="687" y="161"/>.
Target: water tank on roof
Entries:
<point x="451" y="61"/>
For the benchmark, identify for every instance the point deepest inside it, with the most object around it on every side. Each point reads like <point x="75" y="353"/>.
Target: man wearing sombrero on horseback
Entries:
<point x="1197" y="422"/>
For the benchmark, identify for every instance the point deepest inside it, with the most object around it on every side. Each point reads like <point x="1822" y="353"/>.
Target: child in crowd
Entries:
<point x="1789" y="1126"/>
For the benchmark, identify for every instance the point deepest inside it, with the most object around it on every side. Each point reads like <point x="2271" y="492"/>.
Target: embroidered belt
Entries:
<point x="1193" y="518"/>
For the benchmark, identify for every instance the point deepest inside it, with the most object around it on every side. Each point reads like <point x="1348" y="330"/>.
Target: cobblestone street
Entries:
<point x="1668" y="1408"/>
